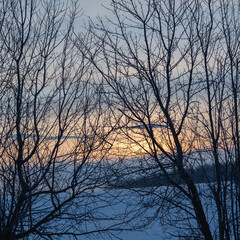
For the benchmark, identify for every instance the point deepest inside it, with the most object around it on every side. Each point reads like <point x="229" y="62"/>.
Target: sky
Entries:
<point x="93" y="8"/>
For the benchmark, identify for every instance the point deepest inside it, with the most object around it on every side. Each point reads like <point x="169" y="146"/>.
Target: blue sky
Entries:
<point x="93" y="8"/>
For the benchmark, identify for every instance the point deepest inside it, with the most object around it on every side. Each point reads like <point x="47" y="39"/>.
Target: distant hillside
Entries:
<point x="199" y="175"/>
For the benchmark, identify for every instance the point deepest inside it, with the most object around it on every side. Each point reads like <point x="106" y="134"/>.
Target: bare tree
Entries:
<point x="170" y="70"/>
<point x="52" y="125"/>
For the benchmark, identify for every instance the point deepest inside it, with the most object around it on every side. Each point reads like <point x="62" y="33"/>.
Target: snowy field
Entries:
<point x="155" y="232"/>
<point x="112" y="203"/>
<point x="152" y="232"/>
<point x="106" y="207"/>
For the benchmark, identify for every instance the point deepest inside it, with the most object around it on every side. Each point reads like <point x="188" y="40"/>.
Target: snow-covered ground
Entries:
<point x="154" y="232"/>
<point x="137" y="204"/>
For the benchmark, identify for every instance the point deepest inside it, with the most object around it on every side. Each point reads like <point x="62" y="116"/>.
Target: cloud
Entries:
<point x="14" y="136"/>
<point x="148" y="125"/>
